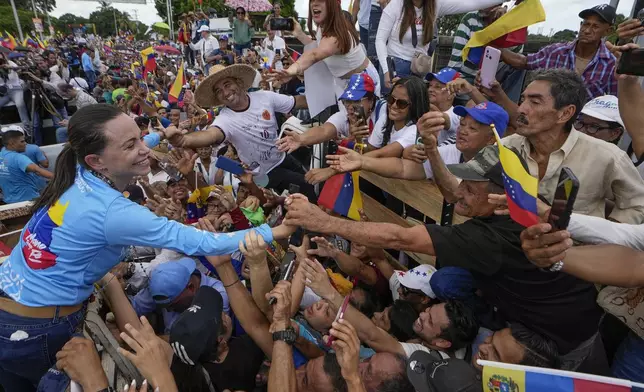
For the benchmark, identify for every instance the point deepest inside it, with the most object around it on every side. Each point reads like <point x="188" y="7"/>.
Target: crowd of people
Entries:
<point x="179" y="202"/>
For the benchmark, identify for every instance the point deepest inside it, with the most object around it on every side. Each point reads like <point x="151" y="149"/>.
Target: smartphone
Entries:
<point x="287" y="269"/>
<point x="339" y="316"/>
<point x="631" y="63"/>
<point x="227" y="164"/>
<point x="293" y="189"/>
<point x="278" y="52"/>
<point x="392" y="67"/>
<point x="282" y="24"/>
<point x="565" y="196"/>
<point x="489" y="66"/>
<point x="275" y="216"/>
<point x="361" y="116"/>
<point x="245" y="52"/>
<point x="170" y="169"/>
<point x="332" y="148"/>
<point x="297" y="238"/>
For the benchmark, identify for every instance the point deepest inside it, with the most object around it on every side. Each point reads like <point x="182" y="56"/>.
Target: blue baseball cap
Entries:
<point x="169" y="279"/>
<point x="444" y="76"/>
<point x="486" y="113"/>
<point x="359" y="85"/>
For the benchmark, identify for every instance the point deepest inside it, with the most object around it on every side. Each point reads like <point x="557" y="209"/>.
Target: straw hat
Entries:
<point x="205" y="94"/>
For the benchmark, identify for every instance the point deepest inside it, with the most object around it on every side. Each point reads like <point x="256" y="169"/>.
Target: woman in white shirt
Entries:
<point x="395" y="38"/>
<point x="338" y="46"/>
<point x="14" y="90"/>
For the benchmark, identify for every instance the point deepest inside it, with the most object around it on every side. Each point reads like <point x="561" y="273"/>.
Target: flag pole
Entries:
<point x="15" y="16"/>
<point x="563" y="373"/>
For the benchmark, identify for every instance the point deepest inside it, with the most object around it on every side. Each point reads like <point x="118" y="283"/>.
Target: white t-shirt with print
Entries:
<point x="405" y="137"/>
<point x="341" y="123"/>
<point x="254" y="131"/>
<point x="450" y="155"/>
<point x="448" y="136"/>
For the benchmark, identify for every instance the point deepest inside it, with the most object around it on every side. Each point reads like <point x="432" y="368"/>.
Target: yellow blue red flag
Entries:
<point x="520" y="187"/>
<point x="177" y="86"/>
<point x="341" y="193"/>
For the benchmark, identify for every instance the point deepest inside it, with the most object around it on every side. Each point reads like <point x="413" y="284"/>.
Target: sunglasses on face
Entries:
<point x="399" y="103"/>
<point x="406" y="291"/>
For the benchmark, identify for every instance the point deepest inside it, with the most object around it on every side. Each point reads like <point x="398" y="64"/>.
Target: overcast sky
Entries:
<point x="561" y="14"/>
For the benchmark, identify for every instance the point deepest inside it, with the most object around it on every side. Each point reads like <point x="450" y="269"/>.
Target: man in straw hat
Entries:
<point x="248" y="121"/>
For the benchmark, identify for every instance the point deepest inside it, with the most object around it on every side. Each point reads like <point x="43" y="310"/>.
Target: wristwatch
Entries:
<point x="556" y="267"/>
<point x="288" y="336"/>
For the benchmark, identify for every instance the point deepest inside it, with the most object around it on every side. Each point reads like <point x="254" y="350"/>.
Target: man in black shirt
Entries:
<point x="555" y="305"/>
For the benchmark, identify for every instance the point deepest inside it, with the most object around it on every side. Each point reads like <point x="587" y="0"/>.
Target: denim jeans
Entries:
<point x="61" y="135"/>
<point x="364" y="38"/>
<point x="16" y="95"/>
<point x="38" y="124"/>
<point x="91" y="79"/>
<point x="629" y="360"/>
<point x="239" y="48"/>
<point x="374" y="21"/>
<point x="28" y="347"/>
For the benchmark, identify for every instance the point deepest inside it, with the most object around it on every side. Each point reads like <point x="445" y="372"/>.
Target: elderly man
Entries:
<point x="206" y="45"/>
<point x="557" y="306"/>
<point x="587" y="56"/>
<point x="248" y="122"/>
<point x="547" y="141"/>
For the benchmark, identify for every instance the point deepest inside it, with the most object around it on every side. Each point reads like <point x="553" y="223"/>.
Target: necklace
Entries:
<point x="104" y="178"/>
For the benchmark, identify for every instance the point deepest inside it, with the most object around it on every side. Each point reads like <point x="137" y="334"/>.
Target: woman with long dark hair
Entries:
<point x="338" y="46"/>
<point x="80" y="228"/>
<point x="396" y="38"/>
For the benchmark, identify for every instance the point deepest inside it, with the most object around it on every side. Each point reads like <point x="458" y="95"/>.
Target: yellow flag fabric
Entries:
<point x="145" y="53"/>
<point x="523" y="15"/>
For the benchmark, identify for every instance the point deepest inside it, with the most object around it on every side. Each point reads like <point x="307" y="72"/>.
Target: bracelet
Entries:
<point x="556" y="267"/>
<point x="233" y="283"/>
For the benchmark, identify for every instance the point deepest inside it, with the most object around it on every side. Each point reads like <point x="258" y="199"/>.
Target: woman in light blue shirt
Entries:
<point x="79" y="230"/>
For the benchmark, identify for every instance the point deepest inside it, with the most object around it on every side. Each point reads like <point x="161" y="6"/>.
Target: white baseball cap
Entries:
<point x="418" y="279"/>
<point x="604" y="108"/>
<point x="203" y="28"/>
<point x="12" y="127"/>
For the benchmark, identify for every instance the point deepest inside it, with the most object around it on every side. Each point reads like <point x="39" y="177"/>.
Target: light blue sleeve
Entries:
<point x="87" y="62"/>
<point x="40" y="156"/>
<point x="21" y="161"/>
<point x="127" y="223"/>
<point x="143" y="302"/>
<point x="152" y="139"/>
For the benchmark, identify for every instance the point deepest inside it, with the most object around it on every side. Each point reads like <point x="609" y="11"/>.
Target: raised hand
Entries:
<point x="459" y="86"/>
<point x="79" y="359"/>
<point x="629" y="29"/>
<point x="347" y="348"/>
<point x="184" y="159"/>
<point x="348" y="161"/>
<point x="324" y="249"/>
<point x="304" y="214"/>
<point x="316" y="278"/>
<point x="251" y="203"/>
<point x="316" y="176"/>
<point x="416" y="153"/>
<point x="253" y="248"/>
<point x="543" y="247"/>
<point x="282" y="306"/>
<point x="289" y="143"/>
<point x="301" y="251"/>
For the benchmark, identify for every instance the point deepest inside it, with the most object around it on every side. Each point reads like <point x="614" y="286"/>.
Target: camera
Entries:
<point x="282" y="24"/>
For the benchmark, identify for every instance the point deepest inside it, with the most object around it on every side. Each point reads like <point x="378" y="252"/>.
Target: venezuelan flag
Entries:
<point x="501" y="377"/>
<point x="195" y="208"/>
<point x="12" y="41"/>
<point x="145" y="53"/>
<point x="295" y="55"/>
<point x="520" y="187"/>
<point x="341" y="194"/>
<point x="38" y="235"/>
<point x="507" y="31"/>
<point x="177" y="87"/>
<point x="150" y="65"/>
<point x="41" y="44"/>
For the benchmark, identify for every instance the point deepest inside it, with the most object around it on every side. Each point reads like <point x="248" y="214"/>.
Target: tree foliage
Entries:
<point x="612" y="37"/>
<point x="41" y="6"/>
<point x="8" y="23"/>
<point x="448" y="24"/>
<point x="104" y="18"/>
<point x="564" y="36"/>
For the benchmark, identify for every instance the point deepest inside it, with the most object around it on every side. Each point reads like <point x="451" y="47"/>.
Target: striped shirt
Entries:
<point x="599" y="76"/>
<point x="470" y="23"/>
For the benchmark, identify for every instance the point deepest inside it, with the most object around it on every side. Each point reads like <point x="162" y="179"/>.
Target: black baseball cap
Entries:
<point x="427" y="374"/>
<point x="605" y="11"/>
<point x="134" y="193"/>
<point x="193" y="336"/>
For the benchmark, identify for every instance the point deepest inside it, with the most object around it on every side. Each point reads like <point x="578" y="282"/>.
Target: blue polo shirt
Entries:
<point x="16" y="183"/>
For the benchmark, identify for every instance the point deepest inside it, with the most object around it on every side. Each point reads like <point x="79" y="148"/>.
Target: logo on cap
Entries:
<point x="194" y="308"/>
<point x="482" y="105"/>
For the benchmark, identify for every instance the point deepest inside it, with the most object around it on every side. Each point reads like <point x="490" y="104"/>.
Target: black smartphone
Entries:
<point x="565" y="196"/>
<point x="631" y="63"/>
<point x="293" y="189"/>
<point x="332" y="148"/>
<point x="392" y="67"/>
<point x="282" y="24"/>
<point x="278" y="52"/>
<point x="287" y="269"/>
<point x="297" y="238"/>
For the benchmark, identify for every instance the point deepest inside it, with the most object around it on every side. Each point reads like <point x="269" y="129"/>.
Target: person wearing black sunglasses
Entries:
<point x="242" y="30"/>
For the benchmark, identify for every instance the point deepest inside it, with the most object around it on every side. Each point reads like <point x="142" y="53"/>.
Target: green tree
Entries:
<point x="448" y="24"/>
<point x="8" y="23"/>
<point x="104" y="17"/>
<point x="41" y="6"/>
<point x="564" y="36"/>
<point x="612" y="37"/>
<point x="538" y="38"/>
<point x="62" y="24"/>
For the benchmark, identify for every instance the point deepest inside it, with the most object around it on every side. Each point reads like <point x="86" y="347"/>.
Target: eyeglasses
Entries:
<point x="406" y="291"/>
<point x="400" y="103"/>
<point x="589" y="128"/>
<point x="240" y="13"/>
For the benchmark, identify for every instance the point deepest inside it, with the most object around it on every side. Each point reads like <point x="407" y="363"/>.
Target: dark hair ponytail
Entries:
<point x="418" y="103"/>
<point x="86" y="136"/>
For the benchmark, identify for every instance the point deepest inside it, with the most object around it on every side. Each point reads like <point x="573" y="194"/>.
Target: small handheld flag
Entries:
<point x="521" y="188"/>
<point x="177" y="87"/>
<point x="508" y="377"/>
<point x="341" y="193"/>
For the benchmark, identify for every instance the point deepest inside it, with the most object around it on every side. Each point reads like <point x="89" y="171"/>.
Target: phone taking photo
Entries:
<point x="489" y="66"/>
<point x="564" y="201"/>
<point x="631" y="63"/>
<point x="339" y="316"/>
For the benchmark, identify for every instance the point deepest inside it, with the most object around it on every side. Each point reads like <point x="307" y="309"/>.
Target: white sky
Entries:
<point x="558" y="17"/>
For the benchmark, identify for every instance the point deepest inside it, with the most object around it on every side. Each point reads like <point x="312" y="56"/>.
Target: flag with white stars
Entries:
<point x="341" y="193"/>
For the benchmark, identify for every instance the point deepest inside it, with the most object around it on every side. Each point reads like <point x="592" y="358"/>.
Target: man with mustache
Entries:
<point x="587" y="55"/>
<point x="547" y="141"/>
